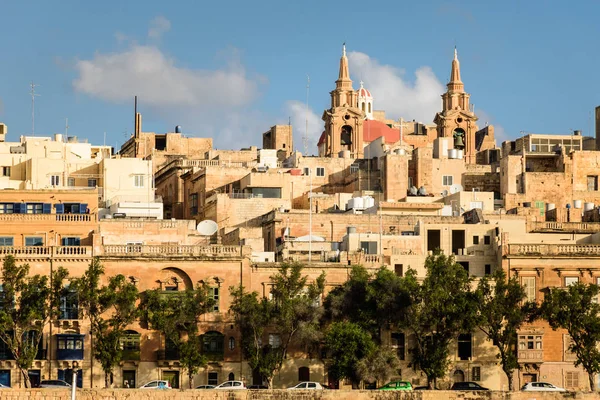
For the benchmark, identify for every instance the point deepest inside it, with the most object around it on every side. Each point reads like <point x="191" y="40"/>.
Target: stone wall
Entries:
<point x="126" y="394"/>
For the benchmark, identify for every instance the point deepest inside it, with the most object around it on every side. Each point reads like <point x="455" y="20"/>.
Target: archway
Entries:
<point x="459" y="138"/>
<point x="346" y="137"/>
<point x="458" y="376"/>
<point x="174" y="279"/>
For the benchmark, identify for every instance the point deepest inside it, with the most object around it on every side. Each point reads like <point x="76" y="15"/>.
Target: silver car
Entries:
<point x="54" y="384"/>
<point x="541" y="387"/>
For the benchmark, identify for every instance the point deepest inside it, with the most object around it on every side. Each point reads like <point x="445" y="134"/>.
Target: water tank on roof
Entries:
<point x="577" y="132"/>
<point x="577" y="203"/>
<point x="452" y="153"/>
<point x="359" y="203"/>
<point x="178" y="129"/>
<point x="422" y="191"/>
<point x="459" y="154"/>
<point x="588" y="206"/>
<point x="550" y="206"/>
<point x="351" y="229"/>
<point x="369" y="202"/>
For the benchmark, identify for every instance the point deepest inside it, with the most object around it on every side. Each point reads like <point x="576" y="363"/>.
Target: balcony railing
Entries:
<point x="46" y="251"/>
<point x="37" y="218"/>
<point x="172" y="250"/>
<point x="578" y="227"/>
<point x="130" y="355"/>
<point x="69" y="313"/>
<point x="549" y="250"/>
<point x="530" y="356"/>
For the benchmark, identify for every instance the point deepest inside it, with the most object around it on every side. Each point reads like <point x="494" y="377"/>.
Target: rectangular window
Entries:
<point x="475" y="239"/>
<point x="214" y="294"/>
<point x="92" y="183"/>
<point x="54" y="180"/>
<point x="528" y="283"/>
<point x="35" y="208"/>
<point x="274" y="340"/>
<point x="6" y="241"/>
<point x="71" y="182"/>
<point x="487" y="240"/>
<point x="138" y="181"/>
<point x="433" y="239"/>
<point x="5" y="171"/>
<point x="194" y="204"/>
<point x="399" y="269"/>
<point x="530" y="342"/>
<point x="476" y="374"/>
<point x="571" y="280"/>
<point x="399" y="343"/>
<point x="447" y="180"/>
<point x="592" y="183"/>
<point x="320" y="171"/>
<point x="71" y="241"/>
<point x="369" y="247"/>
<point x="34" y="241"/>
<point x="213" y="378"/>
<point x="465" y="351"/>
<point x="6" y="208"/>
<point x="306" y="171"/>
<point x="572" y="379"/>
<point x="488" y="269"/>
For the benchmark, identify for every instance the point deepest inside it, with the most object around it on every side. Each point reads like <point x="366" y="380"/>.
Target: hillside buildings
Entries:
<point x="381" y="193"/>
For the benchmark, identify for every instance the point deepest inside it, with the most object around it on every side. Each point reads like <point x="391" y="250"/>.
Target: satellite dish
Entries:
<point x="413" y="191"/>
<point x="207" y="227"/>
<point x="457" y="187"/>
<point x="445" y="193"/>
<point x="422" y="191"/>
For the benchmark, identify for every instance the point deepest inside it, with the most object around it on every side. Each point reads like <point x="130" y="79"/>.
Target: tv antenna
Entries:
<point x="33" y="96"/>
<point x="305" y="139"/>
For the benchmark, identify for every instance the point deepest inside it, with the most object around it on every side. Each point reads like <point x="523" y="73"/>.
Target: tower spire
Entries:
<point x="455" y="84"/>
<point x="343" y="81"/>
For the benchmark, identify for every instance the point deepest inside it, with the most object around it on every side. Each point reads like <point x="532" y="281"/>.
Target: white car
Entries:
<point x="54" y="384"/>
<point x="157" y="385"/>
<point x="4" y="386"/>
<point x="307" y="386"/>
<point x="231" y="385"/>
<point x="541" y="387"/>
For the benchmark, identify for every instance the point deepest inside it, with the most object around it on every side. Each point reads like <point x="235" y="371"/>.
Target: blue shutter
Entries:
<point x="17" y="209"/>
<point x="60" y="208"/>
<point x="64" y="242"/>
<point x="61" y="374"/>
<point x="46" y="208"/>
<point x="82" y="208"/>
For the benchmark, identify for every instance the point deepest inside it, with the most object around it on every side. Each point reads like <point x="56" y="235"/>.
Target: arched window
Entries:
<point x="370" y="108"/>
<point x="231" y="376"/>
<point x="363" y="106"/>
<point x="346" y="135"/>
<point x="303" y="374"/>
<point x="458" y="376"/>
<point x="231" y="343"/>
<point x="212" y="345"/>
<point x="130" y="346"/>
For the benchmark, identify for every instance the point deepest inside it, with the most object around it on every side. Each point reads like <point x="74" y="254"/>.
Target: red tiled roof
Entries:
<point x="372" y="130"/>
<point x="364" y="92"/>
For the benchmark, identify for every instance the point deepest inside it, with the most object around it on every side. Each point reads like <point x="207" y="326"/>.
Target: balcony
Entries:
<point x="554" y="250"/>
<point x="570" y="227"/>
<point x="212" y="251"/>
<point x="130" y="355"/>
<point x="530" y="356"/>
<point x="69" y="313"/>
<point x="51" y="218"/>
<point x="69" y="346"/>
<point x="46" y="251"/>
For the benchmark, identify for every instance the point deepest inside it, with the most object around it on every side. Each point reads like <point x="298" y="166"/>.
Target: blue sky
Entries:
<point x="232" y="69"/>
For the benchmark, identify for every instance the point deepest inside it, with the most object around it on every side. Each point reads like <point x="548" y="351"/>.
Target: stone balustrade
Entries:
<point x="172" y="250"/>
<point x="50" y="218"/>
<point x="554" y="250"/>
<point x="46" y="251"/>
<point x="577" y="227"/>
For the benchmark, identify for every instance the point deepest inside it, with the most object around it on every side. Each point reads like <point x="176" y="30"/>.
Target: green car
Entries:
<point x="397" y="385"/>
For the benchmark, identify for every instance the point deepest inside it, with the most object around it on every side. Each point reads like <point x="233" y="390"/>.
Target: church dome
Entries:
<point x="362" y="92"/>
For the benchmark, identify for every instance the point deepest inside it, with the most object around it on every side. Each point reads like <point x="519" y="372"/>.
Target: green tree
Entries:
<point x="110" y="309"/>
<point x="576" y="310"/>
<point x="378" y="365"/>
<point x="27" y="303"/>
<point x="347" y="344"/>
<point x="371" y="301"/>
<point x="439" y="309"/>
<point x="177" y="315"/>
<point x="292" y="315"/>
<point x="501" y="310"/>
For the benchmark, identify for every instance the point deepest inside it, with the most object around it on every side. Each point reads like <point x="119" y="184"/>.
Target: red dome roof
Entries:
<point x="362" y="92"/>
<point x="372" y="130"/>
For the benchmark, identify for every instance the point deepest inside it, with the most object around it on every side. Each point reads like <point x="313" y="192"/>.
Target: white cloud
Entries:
<point x="393" y="92"/>
<point x="299" y="116"/>
<point x="158" y="26"/>
<point x="147" y="72"/>
<point x="208" y="103"/>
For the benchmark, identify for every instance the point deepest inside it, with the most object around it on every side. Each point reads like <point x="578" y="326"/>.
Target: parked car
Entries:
<point x="257" y="387"/>
<point x="4" y="386"/>
<point x="541" y="387"/>
<point x="421" y="388"/>
<point x="205" y="387"/>
<point x="308" y="386"/>
<point x="397" y="385"/>
<point x="231" y="385"/>
<point x="157" y="385"/>
<point x="467" y="386"/>
<point x="54" y="384"/>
